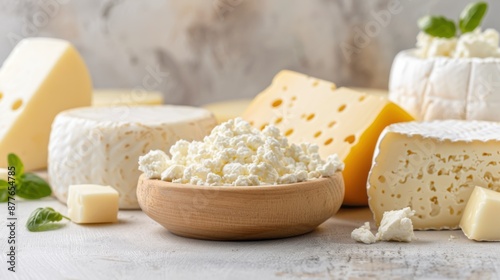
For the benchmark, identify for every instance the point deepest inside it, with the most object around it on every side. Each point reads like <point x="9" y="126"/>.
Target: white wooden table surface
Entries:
<point x="138" y="248"/>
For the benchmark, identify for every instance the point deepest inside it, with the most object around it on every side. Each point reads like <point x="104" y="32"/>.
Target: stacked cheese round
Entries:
<point x="102" y="145"/>
<point x="446" y="88"/>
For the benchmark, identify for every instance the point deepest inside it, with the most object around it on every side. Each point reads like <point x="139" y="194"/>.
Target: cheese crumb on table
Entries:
<point x="395" y="226"/>
<point x="237" y="154"/>
<point x="363" y="234"/>
<point x="92" y="204"/>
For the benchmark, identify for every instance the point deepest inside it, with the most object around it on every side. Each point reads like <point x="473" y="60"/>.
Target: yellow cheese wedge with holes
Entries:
<point x="340" y="121"/>
<point x="39" y="79"/>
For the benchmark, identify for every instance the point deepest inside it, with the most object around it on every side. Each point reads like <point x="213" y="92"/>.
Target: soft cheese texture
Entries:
<point x="471" y="44"/>
<point x="114" y="97"/>
<point x="480" y="219"/>
<point x="339" y="121"/>
<point x="39" y="79"/>
<point x="101" y="145"/>
<point x="446" y="88"/>
<point x="433" y="167"/>
<point x="92" y="204"/>
<point x="363" y="234"/>
<point x="396" y="226"/>
<point x="237" y="154"/>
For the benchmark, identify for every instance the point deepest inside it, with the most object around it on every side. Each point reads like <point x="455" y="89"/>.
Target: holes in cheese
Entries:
<point x="277" y="103"/>
<point x="447" y="159"/>
<point x="17" y="104"/>
<point x="289" y="132"/>
<point x="1" y="96"/>
<point x="338" y="115"/>
<point x="310" y="117"/>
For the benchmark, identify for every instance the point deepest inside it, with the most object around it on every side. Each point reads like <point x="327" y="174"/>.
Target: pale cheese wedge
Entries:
<point x="39" y="79"/>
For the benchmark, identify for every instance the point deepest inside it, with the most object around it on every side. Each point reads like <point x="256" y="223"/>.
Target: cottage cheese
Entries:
<point x="237" y="154"/>
<point x="472" y="44"/>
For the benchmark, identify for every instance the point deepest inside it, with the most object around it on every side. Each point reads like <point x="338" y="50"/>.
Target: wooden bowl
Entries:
<point x="241" y="212"/>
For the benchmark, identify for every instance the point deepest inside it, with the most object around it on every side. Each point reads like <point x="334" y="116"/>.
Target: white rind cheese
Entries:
<point x="433" y="167"/>
<point x="446" y="88"/>
<point x="101" y="145"/>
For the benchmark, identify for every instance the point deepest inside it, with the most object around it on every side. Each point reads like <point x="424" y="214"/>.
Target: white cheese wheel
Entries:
<point x="101" y="145"/>
<point x="446" y="88"/>
<point x="433" y="168"/>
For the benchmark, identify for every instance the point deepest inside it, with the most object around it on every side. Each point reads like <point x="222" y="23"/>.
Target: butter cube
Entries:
<point x="92" y="204"/>
<point x="480" y="219"/>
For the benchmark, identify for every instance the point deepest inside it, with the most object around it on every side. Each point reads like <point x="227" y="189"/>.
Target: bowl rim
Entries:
<point x="166" y="184"/>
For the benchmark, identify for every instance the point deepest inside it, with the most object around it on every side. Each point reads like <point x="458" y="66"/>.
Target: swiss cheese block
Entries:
<point x="446" y="88"/>
<point x="340" y="121"/>
<point x="92" y="204"/>
<point x="113" y="97"/>
<point x="480" y="219"/>
<point x="226" y="110"/>
<point x="40" y="78"/>
<point x="433" y="167"/>
<point x="102" y="145"/>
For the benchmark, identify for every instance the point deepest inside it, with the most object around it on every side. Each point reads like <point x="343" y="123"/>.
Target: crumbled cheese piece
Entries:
<point x="395" y="226"/>
<point x="452" y="237"/>
<point x="430" y="46"/>
<point x="471" y="44"/>
<point x="153" y="164"/>
<point x="237" y="154"/>
<point x="363" y="234"/>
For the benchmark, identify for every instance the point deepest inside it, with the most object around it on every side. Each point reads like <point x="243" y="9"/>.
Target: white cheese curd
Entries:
<point x="237" y="154"/>
<point x="395" y="226"/>
<point x="363" y="234"/>
<point x="471" y="44"/>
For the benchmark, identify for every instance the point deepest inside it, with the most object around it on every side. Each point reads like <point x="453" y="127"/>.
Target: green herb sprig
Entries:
<point x="28" y="185"/>
<point x="440" y="26"/>
<point x="43" y="219"/>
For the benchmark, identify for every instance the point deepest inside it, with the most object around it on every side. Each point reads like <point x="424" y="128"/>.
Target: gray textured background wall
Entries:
<point x="200" y="51"/>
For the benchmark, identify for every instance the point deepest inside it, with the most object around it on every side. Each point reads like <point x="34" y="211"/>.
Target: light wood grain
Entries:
<point x="242" y="212"/>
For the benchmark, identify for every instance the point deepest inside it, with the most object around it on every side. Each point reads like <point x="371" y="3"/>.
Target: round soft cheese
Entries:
<point x="101" y="145"/>
<point x="446" y="88"/>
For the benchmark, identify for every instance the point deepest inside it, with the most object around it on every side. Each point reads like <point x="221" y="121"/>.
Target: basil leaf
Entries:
<point x="41" y="219"/>
<point x="437" y="26"/>
<point x="33" y="187"/>
<point x="15" y="161"/>
<point x="472" y="15"/>
<point x="4" y="191"/>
